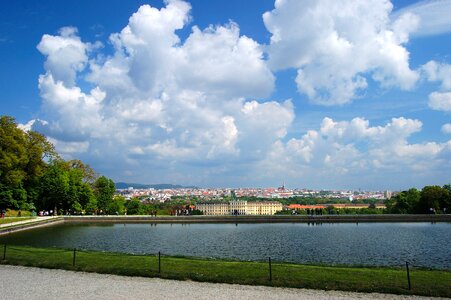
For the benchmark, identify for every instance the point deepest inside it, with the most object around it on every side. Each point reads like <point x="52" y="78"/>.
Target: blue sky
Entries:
<point x="316" y="94"/>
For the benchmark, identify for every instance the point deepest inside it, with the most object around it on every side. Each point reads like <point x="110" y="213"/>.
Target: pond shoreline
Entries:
<point x="30" y="224"/>
<point x="260" y="219"/>
<point x="48" y="221"/>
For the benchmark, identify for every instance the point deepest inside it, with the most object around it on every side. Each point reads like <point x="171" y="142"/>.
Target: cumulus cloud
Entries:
<point x="440" y="101"/>
<point x="66" y="54"/>
<point x="152" y="107"/>
<point x="446" y="128"/>
<point x="433" y="16"/>
<point x="337" y="44"/>
<point x="156" y="101"/>
<point x="342" y="150"/>
<point x="438" y="72"/>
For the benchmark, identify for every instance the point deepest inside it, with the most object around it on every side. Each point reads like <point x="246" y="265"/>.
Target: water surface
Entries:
<point x="380" y="244"/>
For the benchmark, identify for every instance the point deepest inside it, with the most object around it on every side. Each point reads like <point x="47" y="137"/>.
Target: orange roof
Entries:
<point x="300" y="206"/>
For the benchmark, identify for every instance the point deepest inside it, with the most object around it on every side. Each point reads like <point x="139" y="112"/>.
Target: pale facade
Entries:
<point x="263" y="208"/>
<point x="214" y="209"/>
<point x="237" y="207"/>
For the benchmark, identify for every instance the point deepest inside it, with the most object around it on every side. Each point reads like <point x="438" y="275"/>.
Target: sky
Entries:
<point x="313" y="94"/>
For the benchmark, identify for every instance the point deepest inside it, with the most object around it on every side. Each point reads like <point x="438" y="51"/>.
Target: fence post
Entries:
<point x="270" y="270"/>
<point x="4" y="252"/>
<point x="408" y="274"/>
<point x="73" y="260"/>
<point x="159" y="262"/>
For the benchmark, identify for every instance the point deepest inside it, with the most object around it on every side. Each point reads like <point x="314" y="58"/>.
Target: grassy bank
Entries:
<point x="13" y="220"/>
<point x="362" y="279"/>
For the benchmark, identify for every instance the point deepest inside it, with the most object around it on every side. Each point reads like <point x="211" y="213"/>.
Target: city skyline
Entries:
<point x="323" y="94"/>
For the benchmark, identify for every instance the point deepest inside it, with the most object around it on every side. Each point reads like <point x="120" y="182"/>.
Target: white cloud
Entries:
<point x="441" y="72"/>
<point x="440" y="101"/>
<point x="66" y="54"/>
<point x="446" y="128"/>
<point x="433" y="16"/>
<point x="164" y="109"/>
<point x="159" y="102"/>
<point x="337" y="44"/>
<point x="226" y="62"/>
<point x="353" y="150"/>
<point x="28" y="126"/>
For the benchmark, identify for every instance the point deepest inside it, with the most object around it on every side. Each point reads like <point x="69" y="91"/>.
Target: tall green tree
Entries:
<point x="55" y="187"/>
<point x="39" y="151"/>
<point x="13" y="159"/>
<point x="116" y="206"/>
<point x="22" y="163"/>
<point x="433" y="197"/>
<point x="406" y="202"/>
<point x="104" y="189"/>
<point x="133" y="206"/>
<point x="447" y="204"/>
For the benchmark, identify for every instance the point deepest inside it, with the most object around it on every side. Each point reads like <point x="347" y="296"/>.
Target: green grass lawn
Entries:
<point x="362" y="279"/>
<point x="13" y="220"/>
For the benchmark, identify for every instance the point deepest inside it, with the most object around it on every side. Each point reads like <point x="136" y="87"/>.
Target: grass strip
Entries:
<point x="425" y="282"/>
<point x="14" y="219"/>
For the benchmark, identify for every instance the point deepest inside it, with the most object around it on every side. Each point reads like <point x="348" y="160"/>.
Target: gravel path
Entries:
<point x="34" y="283"/>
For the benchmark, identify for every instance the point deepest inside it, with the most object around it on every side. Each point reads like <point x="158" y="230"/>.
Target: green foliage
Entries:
<point x="104" y="189"/>
<point x="33" y="177"/>
<point x="431" y="199"/>
<point x="116" y="206"/>
<point x="134" y="207"/>
<point x="54" y="187"/>
<point x="91" y="206"/>
<point x="13" y="161"/>
<point x="21" y="163"/>
<point x="435" y="198"/>
<point x="406" y="202"/>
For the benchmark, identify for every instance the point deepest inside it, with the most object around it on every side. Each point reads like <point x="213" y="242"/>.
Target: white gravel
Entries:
<point x="34" y="283"/>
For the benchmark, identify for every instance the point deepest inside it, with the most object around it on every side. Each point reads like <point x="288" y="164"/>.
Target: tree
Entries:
<point x="406" y="202"/>
<point x="133" y="206"/>
<point x="104" y="189"/>
<point x="91" y="206"/>
<point x="55" y="188"/>
<point x="22" y="164"/>
<point x="447" y="205"/>
<point x="116" y="206"/>
<point x="38" y="150"/>
<point x="433" y="197"/>
<point x="13" y="160"/>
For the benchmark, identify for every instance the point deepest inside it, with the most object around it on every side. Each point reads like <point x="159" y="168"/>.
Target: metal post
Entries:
<point x="4" y="252"/>
<point x="408" y="275"/>
<point x="159" y="262"/>
<point x="270" y="270"/>
<point x="73" y="261"/>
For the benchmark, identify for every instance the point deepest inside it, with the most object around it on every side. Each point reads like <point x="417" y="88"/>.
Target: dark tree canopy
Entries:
<point x="104" y="189"/>
<point x="33" y="176"/>
<point x="431" y="199"/>
<point x="22" y="163"/>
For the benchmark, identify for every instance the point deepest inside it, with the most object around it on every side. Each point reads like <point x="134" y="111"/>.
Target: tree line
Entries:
<point x="431" y="199"/>
<point x="34" y="177"/>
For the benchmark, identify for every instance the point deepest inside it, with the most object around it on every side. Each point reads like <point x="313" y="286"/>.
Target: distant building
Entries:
<point x="237" y="207"/>
<point x="214" y="209"/>
<point x="388" y="194"/>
